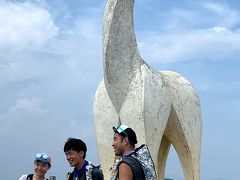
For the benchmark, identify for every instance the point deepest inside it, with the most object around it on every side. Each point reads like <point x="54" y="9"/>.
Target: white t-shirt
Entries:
<point x="23" y="177"/>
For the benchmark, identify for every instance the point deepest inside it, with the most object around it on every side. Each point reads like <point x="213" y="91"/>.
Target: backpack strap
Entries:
<point x="29" y="177"/>
<point x="69" y="176"/>
<point x="135" y="165"/>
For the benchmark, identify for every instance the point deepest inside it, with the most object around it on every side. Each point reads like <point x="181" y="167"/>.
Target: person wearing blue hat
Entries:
<point x="42" y="163"/>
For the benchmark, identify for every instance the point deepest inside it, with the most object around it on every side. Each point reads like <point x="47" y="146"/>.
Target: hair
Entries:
<point x="76" y="145"/>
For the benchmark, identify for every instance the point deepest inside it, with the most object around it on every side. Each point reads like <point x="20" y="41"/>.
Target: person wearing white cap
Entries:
<point x="42" y="164"/>
<point x="128" y="168"/>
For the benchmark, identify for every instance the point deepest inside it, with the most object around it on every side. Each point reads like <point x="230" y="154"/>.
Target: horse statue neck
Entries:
<point x="121" y="56"/>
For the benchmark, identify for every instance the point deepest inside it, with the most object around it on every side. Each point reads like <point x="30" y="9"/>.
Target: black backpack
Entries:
<point x="142" y="154"/>
<point x="94" y="172"/>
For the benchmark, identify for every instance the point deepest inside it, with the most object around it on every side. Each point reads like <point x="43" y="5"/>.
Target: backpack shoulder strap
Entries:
<point x="30" y="177"/>
<point x="69" y="176"/>
<point x="135" y="165"/>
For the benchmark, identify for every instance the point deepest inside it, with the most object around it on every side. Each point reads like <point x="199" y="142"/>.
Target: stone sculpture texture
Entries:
<point x="162" y="107"/>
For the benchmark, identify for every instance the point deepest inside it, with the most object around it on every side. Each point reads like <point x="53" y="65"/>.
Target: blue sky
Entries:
<point x="51" y="64"/>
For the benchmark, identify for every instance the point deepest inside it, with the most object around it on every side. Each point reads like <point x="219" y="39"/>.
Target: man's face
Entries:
<point x="118" y="144"/>
<point x="75" y="158"/>
<point x="41" y="168"/>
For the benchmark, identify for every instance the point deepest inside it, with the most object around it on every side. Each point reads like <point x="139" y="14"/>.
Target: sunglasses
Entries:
<point x="121" y="129"/>
<point x="43" y="157"/>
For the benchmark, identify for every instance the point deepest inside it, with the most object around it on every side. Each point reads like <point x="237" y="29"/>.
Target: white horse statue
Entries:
<point x="162" y="107"/>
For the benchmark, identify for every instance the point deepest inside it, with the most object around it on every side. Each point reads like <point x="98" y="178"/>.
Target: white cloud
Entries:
<point x="16" y="116"/>
<point x="89" y="28"/>
<point x="207" y="31"/>
<point x="24" y="24"/>
<point x="201" y="14"/>
<point x="213" y="43"/>
<point x="13" y="72"/>
<point x="28" y="67"/>
<point x="66" y="53"/>
<point x="33" y="104"/>
<point x="219" y="29"/>
<point x="226" y="15"/>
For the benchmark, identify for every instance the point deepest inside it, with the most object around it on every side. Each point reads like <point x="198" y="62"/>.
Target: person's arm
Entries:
<point x="125" y="172"/>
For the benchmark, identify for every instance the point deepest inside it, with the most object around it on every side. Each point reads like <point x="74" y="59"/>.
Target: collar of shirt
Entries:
<point x="128" y="153"/>
<point x="77" y="173"/>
